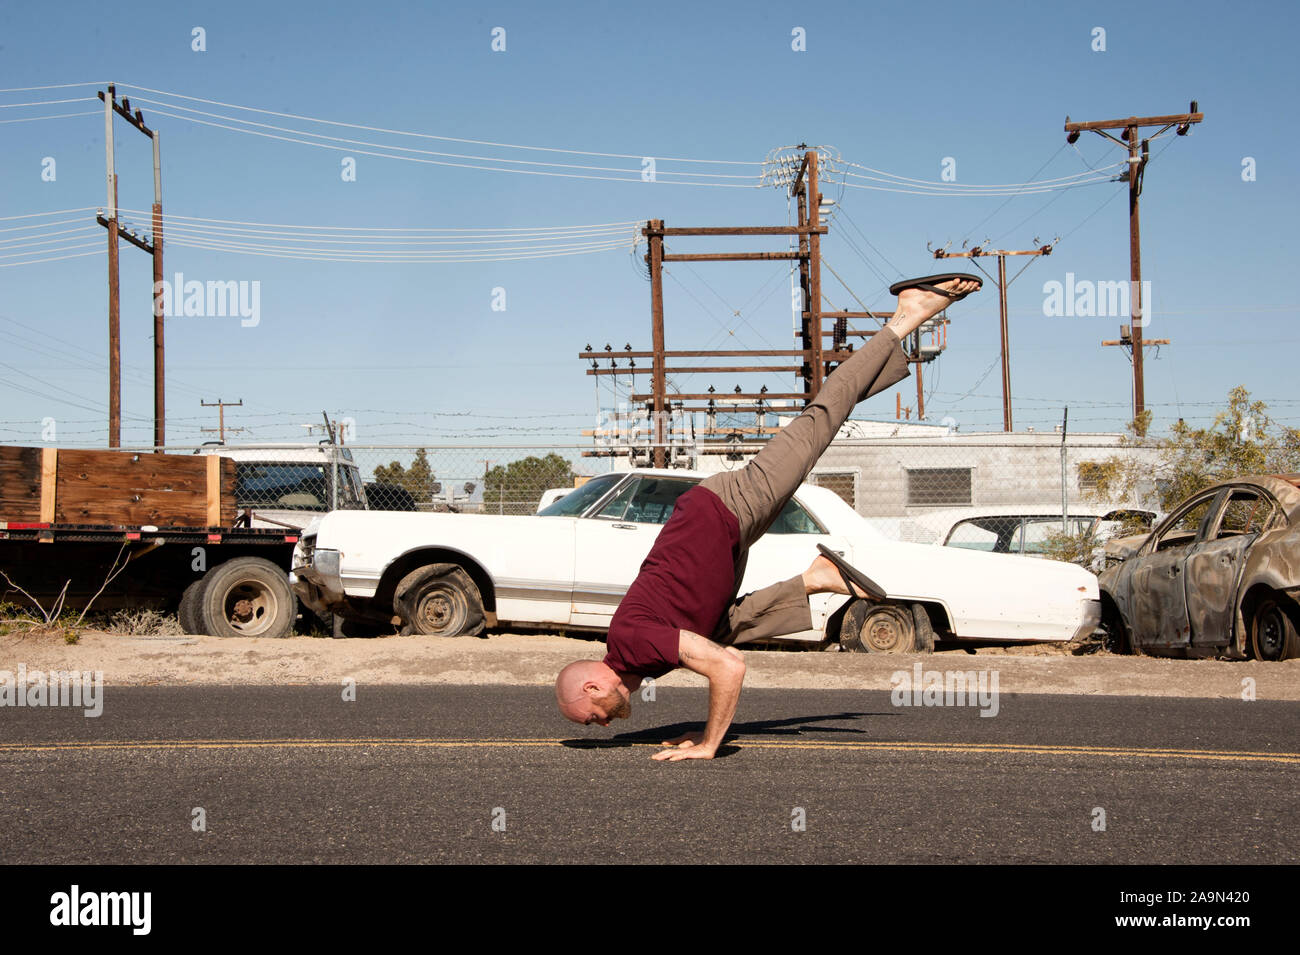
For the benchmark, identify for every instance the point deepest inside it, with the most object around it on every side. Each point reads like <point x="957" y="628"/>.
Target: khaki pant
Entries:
<point x="758" y="492"/>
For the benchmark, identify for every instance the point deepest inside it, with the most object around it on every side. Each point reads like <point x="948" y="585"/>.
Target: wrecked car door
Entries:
<point x="1214" y="566"/>
<point x="1160" y="617"/>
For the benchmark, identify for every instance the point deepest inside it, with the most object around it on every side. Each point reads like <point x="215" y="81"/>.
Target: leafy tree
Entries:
<point x="515" y="488"/>
<point x="418" y="478"/>
<point x="1162" y="472"/>
<point x="1242" y="439"/>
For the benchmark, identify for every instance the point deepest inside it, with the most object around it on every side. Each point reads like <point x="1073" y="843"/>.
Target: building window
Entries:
<point x="843" y="483"/>
<point x="1090" y="475"/>
<point x="930" y="487"/>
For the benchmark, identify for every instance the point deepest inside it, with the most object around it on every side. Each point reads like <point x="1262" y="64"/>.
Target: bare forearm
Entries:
<point x="724" y="668"/>
<point x="724" y="695"/>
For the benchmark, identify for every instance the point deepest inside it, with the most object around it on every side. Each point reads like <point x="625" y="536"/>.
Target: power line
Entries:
<point x="37" y="119"/>
<point x="631" y="175"/>
<point x="174" y="219"/>
<point x="48" y="102"/>
<point x="1000" y="207"/>
<point x="423" y="152"/>
<point x="333" y="243"/>
<point x="958" y="187"/>
<point x="57" y="258"/>
<point x="399" y="132"/>
<point x="38" y="215"/>
<point x="57" y="86"/>
<point x="322" y="140"/>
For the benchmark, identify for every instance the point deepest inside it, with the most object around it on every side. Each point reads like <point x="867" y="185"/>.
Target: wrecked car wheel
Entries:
<point x="1111" y="634"/>
<point x="878" y="628"/>
<point x="439" y="600"/>
<point x="1273" y="633"/>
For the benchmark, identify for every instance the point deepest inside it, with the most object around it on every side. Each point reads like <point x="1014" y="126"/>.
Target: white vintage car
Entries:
<point x="571" y="564"/>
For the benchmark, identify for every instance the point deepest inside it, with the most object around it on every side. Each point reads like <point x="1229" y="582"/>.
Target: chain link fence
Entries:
<point x="909" y="489"/>
<point x="489" y="479"/>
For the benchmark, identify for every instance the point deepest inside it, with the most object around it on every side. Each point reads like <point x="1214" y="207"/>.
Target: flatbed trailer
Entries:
<point x="133" y="530"/>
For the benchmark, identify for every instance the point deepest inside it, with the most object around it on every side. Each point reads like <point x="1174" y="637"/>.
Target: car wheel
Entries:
<point x="924" y="629"/>
<point x="439" y="600"/>
<point x="247" y="597"/>
<point x="188" y="612"/>
<point x="878" y="628"/>
<point x="1273" y="633"/>
<point x="1113" y="637"/>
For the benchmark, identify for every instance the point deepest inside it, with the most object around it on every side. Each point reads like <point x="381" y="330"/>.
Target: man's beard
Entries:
<point x="615" y="705"/>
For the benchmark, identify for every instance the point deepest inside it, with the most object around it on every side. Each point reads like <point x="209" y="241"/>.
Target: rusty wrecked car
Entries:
<point x="1220" y="576"/>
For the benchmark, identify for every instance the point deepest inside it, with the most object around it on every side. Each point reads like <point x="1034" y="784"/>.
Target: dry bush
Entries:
<point x="137" y="623"/>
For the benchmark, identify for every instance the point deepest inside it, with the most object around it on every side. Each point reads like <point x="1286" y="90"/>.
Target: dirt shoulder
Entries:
<point x="534" y="659"/>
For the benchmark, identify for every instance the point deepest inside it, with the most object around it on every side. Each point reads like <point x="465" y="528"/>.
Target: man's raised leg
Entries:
<point x="757" y="492"/>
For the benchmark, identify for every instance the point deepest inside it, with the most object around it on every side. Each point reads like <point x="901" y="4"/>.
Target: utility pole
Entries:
<point x="154" y="247"/>
<point x="1138" y="157"/>
<point x="114" y="316"/>
<point x="1002" y="283"/>
<point x="820" y="348"/>
<point x="159" y="372"/>
<point x="816" y="358"/>
<point x="221" y="407"/>
<point x="809" y="200"/>
<point x="658" y="386"/>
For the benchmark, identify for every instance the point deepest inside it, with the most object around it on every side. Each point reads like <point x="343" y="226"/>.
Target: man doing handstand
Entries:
<point x="682" y="609"/>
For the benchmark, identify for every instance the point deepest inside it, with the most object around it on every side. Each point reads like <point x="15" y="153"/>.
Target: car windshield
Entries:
<point x="266" y="484"/>
<point x="575" y="502"/>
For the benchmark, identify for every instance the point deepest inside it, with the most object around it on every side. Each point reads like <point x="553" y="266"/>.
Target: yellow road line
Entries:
<point x="840" y="745"/>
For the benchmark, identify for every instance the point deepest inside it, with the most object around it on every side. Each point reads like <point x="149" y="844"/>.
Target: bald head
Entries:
<point x="590" y="691"/>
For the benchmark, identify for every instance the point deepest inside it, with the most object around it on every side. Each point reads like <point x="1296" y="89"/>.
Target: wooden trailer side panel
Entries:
<point x="70" y="486"/>
<point x="20" y="484"/>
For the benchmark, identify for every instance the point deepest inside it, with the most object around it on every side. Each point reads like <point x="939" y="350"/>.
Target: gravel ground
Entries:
<point x="534" y="659"/>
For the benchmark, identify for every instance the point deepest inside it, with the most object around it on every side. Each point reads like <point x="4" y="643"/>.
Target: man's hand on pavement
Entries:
<point x="686" y="748"/>
<point x="724" y="668"/>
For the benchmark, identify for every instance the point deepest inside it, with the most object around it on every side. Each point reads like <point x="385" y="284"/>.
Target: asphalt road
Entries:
<point x="421" y="774"/>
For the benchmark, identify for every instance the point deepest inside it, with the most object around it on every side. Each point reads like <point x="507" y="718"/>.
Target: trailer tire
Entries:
<point x="188" y="612"/>
<point x="247" y="597"/>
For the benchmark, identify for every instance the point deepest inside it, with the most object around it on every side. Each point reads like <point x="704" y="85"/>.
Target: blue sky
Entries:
<point x="414" y="351"/>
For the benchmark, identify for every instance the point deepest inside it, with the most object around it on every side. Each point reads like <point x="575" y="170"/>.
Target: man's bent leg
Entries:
<point x="757" y="492"/>
<point x="771" y="612"/>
